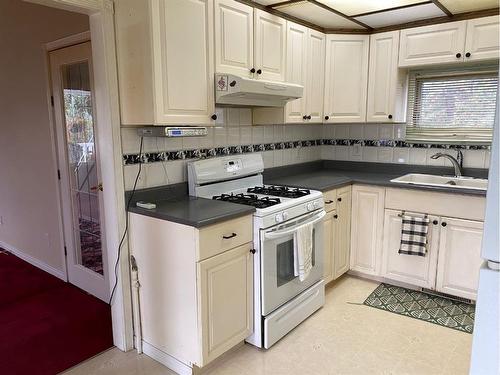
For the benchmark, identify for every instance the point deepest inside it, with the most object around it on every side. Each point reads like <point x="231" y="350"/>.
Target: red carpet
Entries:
<point x="47" y="325"/>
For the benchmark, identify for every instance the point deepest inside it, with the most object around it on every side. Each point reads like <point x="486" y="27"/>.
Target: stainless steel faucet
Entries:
<point x="454" y="161"/>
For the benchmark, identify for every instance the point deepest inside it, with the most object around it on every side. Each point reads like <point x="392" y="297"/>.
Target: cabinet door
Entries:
<point x="225" y="286"/>
<point x="270" y="46"/>
<point x="315" y="83"/>
<point x="296" y="70"/>
<point x="182" y="32"/>
<point x="346" y="77"/>
<point x="459" y="257"/>
<point x="482" y="41"/>
<point x="411" y="269"/>
<point x="233" y="38"/>
<point x="342" y="237"/>
<point x="434" y="44"/>
<point x="367" y="222"/>
<point x="386" y="94"/>
<point x="328" y="243"/>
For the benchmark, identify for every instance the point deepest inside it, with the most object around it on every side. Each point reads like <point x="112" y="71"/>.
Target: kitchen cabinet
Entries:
<point x="482" y="41"/>
<point x="409" y="269"/>
<point x="225" y="285"/>
<point x="315" y="84"/>
<point x="337" y="231"/>
<point x="452" y="42"/>
<point x="386" y="82"/>
<point x="346" y="78"/>
<point x="367" y="223"/>
<point x="270" y="46"/>
<point x="459" y="257"/>
<point x="196" y="303"/>
<point x="234" y="36"/>
<point x="296" y="70"/>
<point x="165" y="57"/>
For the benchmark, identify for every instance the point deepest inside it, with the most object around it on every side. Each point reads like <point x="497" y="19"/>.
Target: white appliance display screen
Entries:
<point x="232" y="166"/>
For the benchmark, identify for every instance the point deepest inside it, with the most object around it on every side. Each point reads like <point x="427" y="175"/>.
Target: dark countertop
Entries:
<point x="195" y="212"/>
<point x="174" y="204"/>
<point x="332" y="175"/>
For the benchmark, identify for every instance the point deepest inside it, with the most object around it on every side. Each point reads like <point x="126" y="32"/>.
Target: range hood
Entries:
<point x="240" y="91"/>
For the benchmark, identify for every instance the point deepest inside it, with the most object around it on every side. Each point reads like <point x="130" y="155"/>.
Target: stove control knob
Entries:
<point x="278" y="218"/>
<point x="315" y="204"/>
<point x="285" y="215"/>
<point x="310" y="207"/>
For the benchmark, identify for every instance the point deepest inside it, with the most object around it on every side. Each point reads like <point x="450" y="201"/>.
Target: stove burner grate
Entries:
<point x="279" y="191"/>
<point x="248" y="199"/>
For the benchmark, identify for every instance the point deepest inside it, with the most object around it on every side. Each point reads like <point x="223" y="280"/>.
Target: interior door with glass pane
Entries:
<point x="74" y="113"/>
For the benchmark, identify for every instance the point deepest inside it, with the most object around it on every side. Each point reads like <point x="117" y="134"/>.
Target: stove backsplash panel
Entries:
<point x="164" y="159"/>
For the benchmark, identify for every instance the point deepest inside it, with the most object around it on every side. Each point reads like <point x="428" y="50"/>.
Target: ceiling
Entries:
<point x="367" y="15"/>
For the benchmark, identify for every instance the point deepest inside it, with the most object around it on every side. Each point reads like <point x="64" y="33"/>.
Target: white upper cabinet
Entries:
<point x="346" y="78"/>
<point x="270" y="46"/>
<point x="386" y="82"/>
<point x="482" y="41"/>
<point x="459" y="257"/>
<point x="233" y="38"/>
<point x="315" y="83"/>
<point x="296" y="69"/>
<point x="165" y="61"/>
<point x="434" y="44"/>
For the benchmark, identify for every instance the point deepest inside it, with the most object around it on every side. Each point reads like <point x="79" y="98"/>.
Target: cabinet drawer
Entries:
<point x="218" y="238"/>
<point x="330" y="198"/>
<point x="441" y="204"/>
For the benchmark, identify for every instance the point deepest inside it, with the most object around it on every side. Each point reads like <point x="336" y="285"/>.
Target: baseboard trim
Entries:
<point x="166" y="360"/>
<point x="33" y="261"/>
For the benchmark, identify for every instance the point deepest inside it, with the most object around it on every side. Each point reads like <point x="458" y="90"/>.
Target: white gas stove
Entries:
<point x="280" y="211"/>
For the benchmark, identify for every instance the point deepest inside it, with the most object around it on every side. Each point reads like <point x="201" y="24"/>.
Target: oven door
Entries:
<point x="278" y="281"/>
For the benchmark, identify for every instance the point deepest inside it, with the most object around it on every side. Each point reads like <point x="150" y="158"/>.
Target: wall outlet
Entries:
<point x="356" y="150"/>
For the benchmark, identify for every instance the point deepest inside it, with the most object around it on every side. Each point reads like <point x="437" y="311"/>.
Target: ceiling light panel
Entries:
<point x="318" y="16"/>
<point x="461" y="6"/>
<point x="403" y="15"/>
<point x="353" y="7"/>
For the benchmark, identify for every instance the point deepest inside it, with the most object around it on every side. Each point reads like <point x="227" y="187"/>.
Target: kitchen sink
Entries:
<point x="444" y="181"/>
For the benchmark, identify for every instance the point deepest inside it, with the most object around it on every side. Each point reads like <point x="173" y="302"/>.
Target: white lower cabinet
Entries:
<point x="337" y="232"/>
<point x="366" y="229"/>
<point x="410" y="269"/>
<point x="459" y="257"/>
<point x="225" y="286"/>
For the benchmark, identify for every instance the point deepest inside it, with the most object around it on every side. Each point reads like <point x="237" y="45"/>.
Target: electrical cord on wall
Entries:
<point x="126" y="222"/>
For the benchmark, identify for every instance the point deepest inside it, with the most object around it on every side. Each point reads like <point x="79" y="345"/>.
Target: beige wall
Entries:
<point x="28" y="198"/>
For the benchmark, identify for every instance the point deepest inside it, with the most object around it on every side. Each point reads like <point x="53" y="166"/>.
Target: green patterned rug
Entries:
<point x="434" y="309"/>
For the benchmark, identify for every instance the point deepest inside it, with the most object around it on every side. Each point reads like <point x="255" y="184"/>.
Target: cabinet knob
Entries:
<point x="252" y="70"/>
<point x="339" y="199"/>
<point x="309" y="117"/>
<point x="335" y="216"/>
<point x="390" y="116"/>
<point x="443" y="224"/>
<point x="327" y="117"/>
<point x="214" y="117"/>
<point x="458" y="55"/>
<point x="232" y="84"/>
<point x="435" y="222"/>
<point x="304" y="117"/>
<point x="467" y="54"/>
<point x="259" y="71"/>
<point x="253" y="251"/>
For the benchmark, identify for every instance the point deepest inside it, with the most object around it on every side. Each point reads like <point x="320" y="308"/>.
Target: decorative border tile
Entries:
<point x="153" y="157"/>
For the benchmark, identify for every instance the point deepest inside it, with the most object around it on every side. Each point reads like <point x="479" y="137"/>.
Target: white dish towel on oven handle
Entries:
<point x="303" y="250"/>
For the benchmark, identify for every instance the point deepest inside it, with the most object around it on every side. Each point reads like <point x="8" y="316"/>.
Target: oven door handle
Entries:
<point x="280" y="233"/>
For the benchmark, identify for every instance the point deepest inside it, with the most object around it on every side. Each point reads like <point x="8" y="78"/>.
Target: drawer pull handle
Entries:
<point x="231" y="236"/>
<point x="329" y="202"/>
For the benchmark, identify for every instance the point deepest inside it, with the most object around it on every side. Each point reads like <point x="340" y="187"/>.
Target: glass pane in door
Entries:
<point x="84" y="183"/>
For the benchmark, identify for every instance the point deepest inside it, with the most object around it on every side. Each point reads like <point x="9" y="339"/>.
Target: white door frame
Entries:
<point x="101" y="17"/>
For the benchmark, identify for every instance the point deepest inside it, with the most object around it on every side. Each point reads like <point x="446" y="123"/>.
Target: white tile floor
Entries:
<point x="341" y="338"/>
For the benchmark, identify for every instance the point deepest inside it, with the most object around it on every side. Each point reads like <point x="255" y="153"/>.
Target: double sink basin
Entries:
<point x="443" y="181"/>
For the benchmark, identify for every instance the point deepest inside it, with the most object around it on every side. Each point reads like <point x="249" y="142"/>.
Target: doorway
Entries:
<point x="79" y="168"/>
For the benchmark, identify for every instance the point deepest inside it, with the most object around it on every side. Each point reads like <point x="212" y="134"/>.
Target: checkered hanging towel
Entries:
<point x="414" y="234"/>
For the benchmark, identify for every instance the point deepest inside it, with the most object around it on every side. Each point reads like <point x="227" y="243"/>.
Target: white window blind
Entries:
<point x="452" y="106"/>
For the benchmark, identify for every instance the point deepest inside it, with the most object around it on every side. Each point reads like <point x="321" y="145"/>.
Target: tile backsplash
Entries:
<point x="164" y="160"/>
